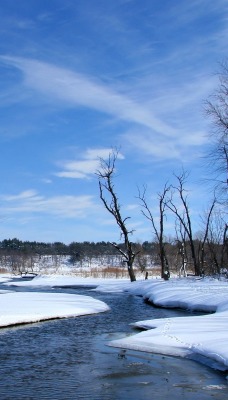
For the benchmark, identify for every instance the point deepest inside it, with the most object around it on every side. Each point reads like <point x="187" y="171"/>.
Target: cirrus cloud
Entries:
<point x="29" y="201"/>
<point x="87" y="166"/>
<point x="74" y="89"/>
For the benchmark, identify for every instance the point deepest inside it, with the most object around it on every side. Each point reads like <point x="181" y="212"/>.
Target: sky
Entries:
<point x="80" y="78"/>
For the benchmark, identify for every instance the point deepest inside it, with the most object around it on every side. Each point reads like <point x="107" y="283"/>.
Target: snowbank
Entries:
<point x="5" y="278"/>
<point x="64" y="281"/>
<point x="22" y="307"/>
<point x="203" y="338"/>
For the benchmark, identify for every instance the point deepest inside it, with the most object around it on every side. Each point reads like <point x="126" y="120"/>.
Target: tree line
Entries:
<point x="74" y="249"/>
<point x="20" y="256"/>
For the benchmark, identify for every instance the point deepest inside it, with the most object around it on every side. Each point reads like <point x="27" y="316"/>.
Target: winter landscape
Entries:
<point x="113" y="202"/>
<point x="203" y="338"/>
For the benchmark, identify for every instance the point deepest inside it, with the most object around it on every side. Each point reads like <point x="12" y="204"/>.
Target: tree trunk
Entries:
<point x="131" y="271"/>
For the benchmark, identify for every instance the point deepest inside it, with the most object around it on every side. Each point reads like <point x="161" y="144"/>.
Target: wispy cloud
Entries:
<point x="184" y="148"/>
<point x="159" y="123"/>
<point x="78" y="169"/>
<point x="75" y="89"/>
<point x="87" y="165"/>
<point x="30" y="201"/>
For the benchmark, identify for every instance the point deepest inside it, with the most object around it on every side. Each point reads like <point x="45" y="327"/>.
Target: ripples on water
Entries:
<point x="68" y="359"/>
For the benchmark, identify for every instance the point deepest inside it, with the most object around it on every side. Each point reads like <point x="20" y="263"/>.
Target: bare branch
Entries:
<point x="158" y="230"/>
<point x="110" y="200"/>
<point x="216" y="108"/>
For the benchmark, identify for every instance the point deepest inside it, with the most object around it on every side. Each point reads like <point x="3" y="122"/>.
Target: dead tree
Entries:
<point x="205" y="236"/>
<point x="158" y="231"/>
<point x="182" y="247"/>
<point x="216" y="108"/>
<point x="110" y="200"/>
<point x="217" y="242"/>
<point x="182" y="213"/>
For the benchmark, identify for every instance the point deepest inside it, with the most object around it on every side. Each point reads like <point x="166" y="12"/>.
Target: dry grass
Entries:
<point x="4" y="270"/>
<point x="113" y="273"/>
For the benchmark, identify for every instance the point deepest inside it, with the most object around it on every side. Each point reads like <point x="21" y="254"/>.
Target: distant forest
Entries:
<point x="21" y="256"/>
<point x="16" y="254"/>
<point x="75" y="249"/>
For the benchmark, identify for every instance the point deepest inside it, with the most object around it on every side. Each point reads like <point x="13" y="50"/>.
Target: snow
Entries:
<point x="200" y="337"/>
<point x="61" y="281"/>
<point x="27" y="307"/>
<point x="5" y="278"/>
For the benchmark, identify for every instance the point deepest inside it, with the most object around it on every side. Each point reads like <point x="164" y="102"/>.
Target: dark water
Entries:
<point x="69" y="359"/>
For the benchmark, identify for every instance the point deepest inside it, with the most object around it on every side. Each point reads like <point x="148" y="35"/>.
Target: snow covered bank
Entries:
<point x="187" y="293"/>
<point x="64" y="281"/>
<point x="202" y="338"/>
<point x="21" y="307"/>
<point x="4" y="278"/>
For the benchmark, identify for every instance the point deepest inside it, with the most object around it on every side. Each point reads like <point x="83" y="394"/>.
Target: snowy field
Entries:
<point x="202" y="338"/>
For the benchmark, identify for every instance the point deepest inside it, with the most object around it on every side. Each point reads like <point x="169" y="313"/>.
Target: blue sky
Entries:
<point x="79" y="77"/>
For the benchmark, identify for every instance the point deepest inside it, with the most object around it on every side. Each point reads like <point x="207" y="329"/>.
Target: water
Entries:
<point x="68" y="359"/>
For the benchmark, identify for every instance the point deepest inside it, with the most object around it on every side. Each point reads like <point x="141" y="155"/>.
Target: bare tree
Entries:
<point x="217" y="110"/>
<point x="217" y="242"/>
<point x="182" y="213"/>
<point x="110" y="200"/>
<point x="205" y="236"/>
<point x="158" y="231"/>
<point x="182" y="247"/>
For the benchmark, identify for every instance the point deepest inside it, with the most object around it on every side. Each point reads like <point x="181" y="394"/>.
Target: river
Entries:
<point x="68" y="359"/>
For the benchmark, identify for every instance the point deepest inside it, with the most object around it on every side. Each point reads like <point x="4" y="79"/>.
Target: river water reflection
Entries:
<point x="69" y="359"/>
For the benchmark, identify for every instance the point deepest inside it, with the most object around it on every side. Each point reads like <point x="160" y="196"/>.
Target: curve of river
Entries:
<point x="68" y="359"/>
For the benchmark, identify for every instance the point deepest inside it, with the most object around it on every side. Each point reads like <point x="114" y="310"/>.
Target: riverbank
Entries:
<point x="202" y="338"/>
